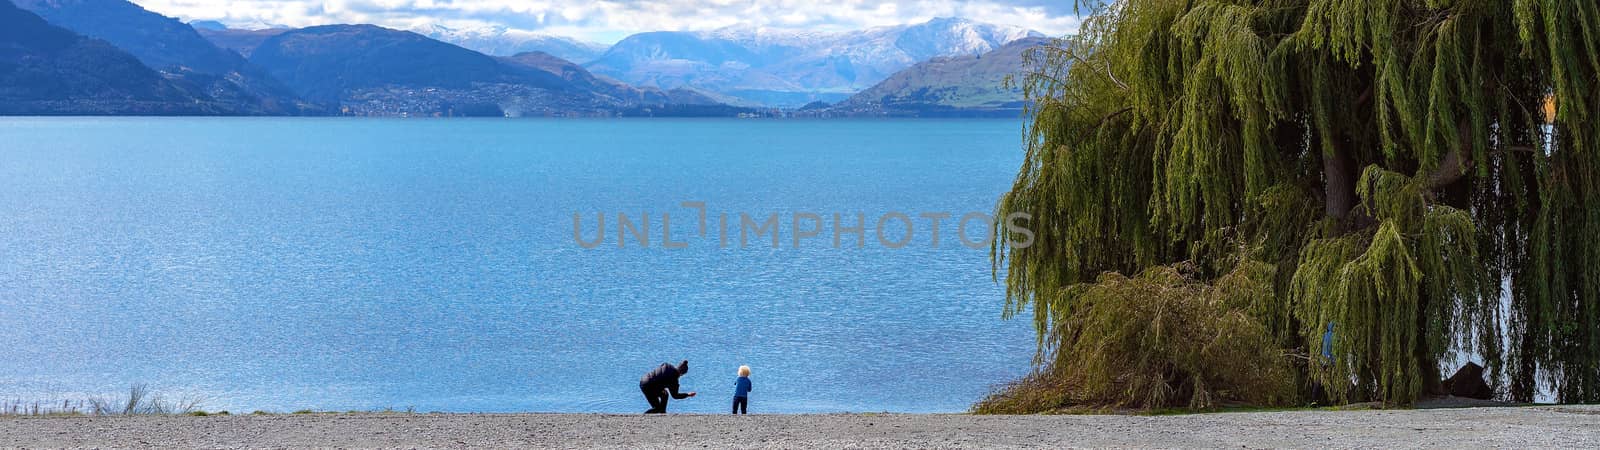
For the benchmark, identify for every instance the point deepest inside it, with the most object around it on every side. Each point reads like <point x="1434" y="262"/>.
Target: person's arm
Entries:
<point x="674" y="390"/>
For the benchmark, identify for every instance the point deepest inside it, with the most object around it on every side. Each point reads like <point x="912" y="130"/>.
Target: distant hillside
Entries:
<point x="45" y="69"/>
<point x="174" y="48"/>
<point x="500" y="41"/>
<point x="962" y="85"/>
<point x="242" y="42"/>
<point x="572" y="73"/>
<point x="784" y="68"/>
<point x="623" y="93"/>
<point x="160" y="42"/>
<point x="207" y="25"/>
<point x="325" y="62"/>
<point x="374" y="70"/>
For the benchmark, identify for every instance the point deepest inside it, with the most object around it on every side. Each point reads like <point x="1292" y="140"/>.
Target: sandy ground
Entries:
<point x="1564" y="427"/>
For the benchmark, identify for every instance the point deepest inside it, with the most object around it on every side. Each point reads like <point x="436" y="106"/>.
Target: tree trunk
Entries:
<point x="1432" y="379"/>
<point x="1339" y="174"/>
<point x="1523" y="380"/>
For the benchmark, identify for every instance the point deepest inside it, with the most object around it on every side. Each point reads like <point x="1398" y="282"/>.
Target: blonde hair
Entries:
<point x="744" y="371"/>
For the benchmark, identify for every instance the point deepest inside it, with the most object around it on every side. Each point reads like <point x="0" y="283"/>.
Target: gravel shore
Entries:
<point x="1543" y="426"/>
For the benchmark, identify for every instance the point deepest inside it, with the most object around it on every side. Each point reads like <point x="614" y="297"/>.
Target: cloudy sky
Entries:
<point x="606" y="21"/>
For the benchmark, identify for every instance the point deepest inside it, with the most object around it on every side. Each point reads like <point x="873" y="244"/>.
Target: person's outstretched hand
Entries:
<point x="691" y="394"/>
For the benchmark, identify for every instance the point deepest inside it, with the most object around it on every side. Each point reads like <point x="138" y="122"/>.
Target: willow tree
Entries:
<point x="1391" y="161"/>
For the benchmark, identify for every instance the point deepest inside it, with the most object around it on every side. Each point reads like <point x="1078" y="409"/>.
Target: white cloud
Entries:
<point x="609" y="20"/>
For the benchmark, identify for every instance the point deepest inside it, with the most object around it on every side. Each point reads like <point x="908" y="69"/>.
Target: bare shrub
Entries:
<point x="140" y="400"/>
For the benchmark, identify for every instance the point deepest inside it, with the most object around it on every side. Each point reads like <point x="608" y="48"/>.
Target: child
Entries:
<point x="741" y="391"/>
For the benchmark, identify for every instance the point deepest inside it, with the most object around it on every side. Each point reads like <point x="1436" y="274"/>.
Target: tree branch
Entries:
<point x="1106" y="72"/>
<point x="1113" y="115"/>
<point x="1455" y="164"/>
<point x="1364" y="98"/>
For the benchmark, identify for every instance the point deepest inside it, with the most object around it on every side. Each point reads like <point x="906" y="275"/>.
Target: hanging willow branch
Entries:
<point x="1386" y="158"/>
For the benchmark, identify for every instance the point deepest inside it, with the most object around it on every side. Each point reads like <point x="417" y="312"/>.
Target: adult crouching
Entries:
<point x="661" y="383"/>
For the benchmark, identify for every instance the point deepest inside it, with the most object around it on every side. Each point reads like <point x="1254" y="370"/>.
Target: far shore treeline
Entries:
<point x="1294" y="202"/>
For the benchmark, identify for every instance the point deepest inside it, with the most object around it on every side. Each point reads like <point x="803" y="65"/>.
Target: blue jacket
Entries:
<point x="741" y="387"/>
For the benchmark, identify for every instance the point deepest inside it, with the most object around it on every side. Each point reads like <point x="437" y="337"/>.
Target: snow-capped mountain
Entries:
<point x="501" y="41"/>
<point x="937" y="37"/>
<point x="790" y="68"/>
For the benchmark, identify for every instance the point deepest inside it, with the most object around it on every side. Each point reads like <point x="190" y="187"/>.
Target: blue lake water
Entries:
<point x="334" y="264"/>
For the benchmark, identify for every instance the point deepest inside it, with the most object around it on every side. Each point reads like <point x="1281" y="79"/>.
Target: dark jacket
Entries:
<point x="664" y="377"/>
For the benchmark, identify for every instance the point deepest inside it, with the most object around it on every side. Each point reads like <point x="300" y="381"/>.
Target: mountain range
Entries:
<point x="789" y="68"/>
<point x="371" y="70"/>
<point x="749" y="66"/>
<point x="500" y="41"/>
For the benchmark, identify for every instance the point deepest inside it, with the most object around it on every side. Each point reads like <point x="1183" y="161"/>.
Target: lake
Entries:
<point x="358" y="264"/>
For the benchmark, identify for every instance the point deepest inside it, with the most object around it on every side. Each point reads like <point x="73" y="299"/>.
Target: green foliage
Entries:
<point x="1372" y="283"/>
<point x="1040" y="391"/>
<point x="1160" y="340"/>
<point x="1386" y="161"/>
